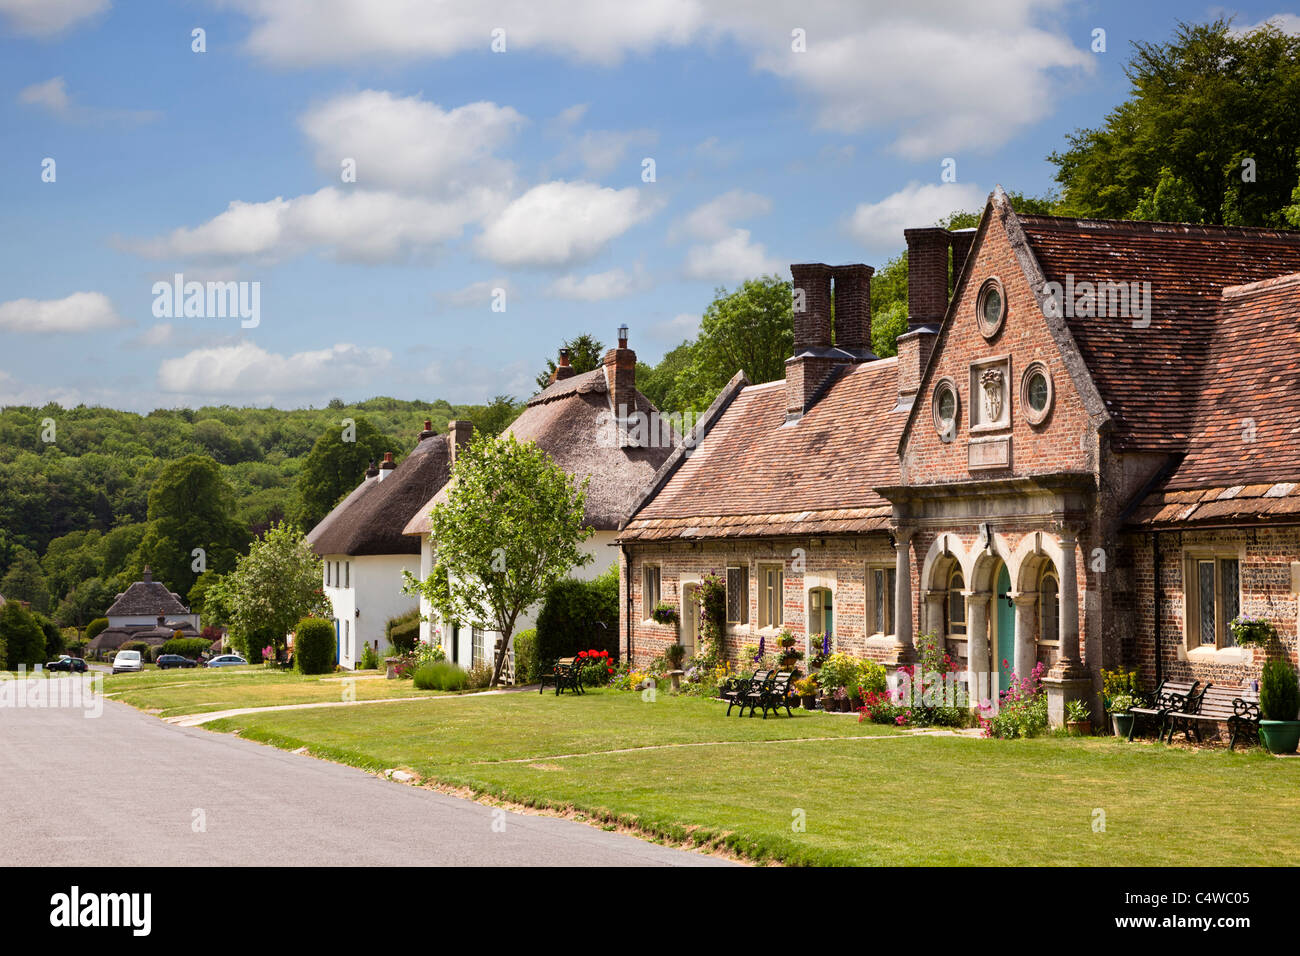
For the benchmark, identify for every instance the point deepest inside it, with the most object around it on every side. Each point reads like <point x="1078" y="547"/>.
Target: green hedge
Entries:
<point x="441" y="675"/>
<point x="190" y="647"/>
<point x="94" y="627"/>
<point x="579" y="616"/>
<point x="313" y="646"/>
<point x="525" y="644"/>
<point x="403" y="631"/>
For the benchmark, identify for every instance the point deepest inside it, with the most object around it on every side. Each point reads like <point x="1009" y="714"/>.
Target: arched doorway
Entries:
<point x="690" y="629"/>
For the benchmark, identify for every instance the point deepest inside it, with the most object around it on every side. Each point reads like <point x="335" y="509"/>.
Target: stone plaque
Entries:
<point x="993" y="453"/>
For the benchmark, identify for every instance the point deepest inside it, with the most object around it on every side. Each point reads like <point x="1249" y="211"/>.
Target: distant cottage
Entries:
<point x="146" y="611"/>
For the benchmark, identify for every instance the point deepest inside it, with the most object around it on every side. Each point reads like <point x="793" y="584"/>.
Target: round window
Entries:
<point x="991" y="308"/>
<point x="945" y="408"/>
<point x="1036" y="392"/>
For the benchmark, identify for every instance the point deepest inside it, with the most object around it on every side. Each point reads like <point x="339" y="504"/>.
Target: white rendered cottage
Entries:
<point x="364" y="550"/>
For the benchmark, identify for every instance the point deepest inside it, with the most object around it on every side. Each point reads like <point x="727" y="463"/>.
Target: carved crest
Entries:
<point x="991" y="382"/>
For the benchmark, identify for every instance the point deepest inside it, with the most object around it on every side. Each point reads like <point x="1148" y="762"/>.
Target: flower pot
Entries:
<point x="856" y="704"/>
<point x="828" y="704"/>
<point x="809" y="702"/>
<point x="1280" y="736"/>
<point x="1123" y="723"/>
<point x="1080" y="728"/>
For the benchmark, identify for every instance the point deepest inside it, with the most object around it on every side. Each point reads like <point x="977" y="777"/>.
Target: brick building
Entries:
<point x="1086" y="453"/>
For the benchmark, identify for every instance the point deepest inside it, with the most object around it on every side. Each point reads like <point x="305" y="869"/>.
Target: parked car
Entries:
<point x="126" y="662"/>
<point x="166" y="661"/>
<point x="226" y="660"/>
<point x="67" y="663"/>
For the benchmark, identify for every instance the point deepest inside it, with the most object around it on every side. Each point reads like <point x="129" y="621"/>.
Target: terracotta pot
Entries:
<point x="809" y="702"/>
<point x="1079" y="728"/>
<point x="828" y="704"/>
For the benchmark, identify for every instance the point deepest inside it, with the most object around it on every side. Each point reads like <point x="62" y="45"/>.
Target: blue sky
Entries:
<point x="476" y="170"/>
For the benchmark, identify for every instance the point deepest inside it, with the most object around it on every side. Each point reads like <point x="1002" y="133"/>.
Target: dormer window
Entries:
<point x="991" y="308"/>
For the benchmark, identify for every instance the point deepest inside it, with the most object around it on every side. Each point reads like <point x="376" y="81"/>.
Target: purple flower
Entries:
<point x="762" y="642"/>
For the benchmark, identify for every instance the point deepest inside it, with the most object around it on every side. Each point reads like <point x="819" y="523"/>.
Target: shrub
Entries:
<point x="595" y="668"/>
<point x="313" y="646"/>
<point x="369" y="658"/>
<point x="96" y="626"/>
<point x="1022" y="708"/>
<point x="441" y="675"/>
<point x="141" y="646"/>
<point x="403" y="631"/>
<point x="53" y="637"/>
<point x="578" y="615"/>
<point x="1279" y="692"/>
<point x="480" y="675"/>
<point x="21" y="637"/>
<point x="840" y="670"/>
<point x="190" y="647"/>
<point x="525" y="644"/>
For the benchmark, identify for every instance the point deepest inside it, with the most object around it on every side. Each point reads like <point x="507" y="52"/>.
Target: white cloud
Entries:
<point x="598" y="286"/>
<point x="600" y="151"/>
<point x="48" y="17"/>
<point x="407" y="143"/>
<point x="732" y="258"/>
<point x="254" y="374"/>
<point x="52" y="95"/>
<point x="714" y="219"/>
<point x="361" y="226"/>
<point x="937" y="77"/>
<point x="478" y="294"/>
<point x="681" y="326"/>
<point x="79" y="312"/>
<point x="880" y="225"/>
<point x="1286" y="22"/>
<point x="561" y="223"/>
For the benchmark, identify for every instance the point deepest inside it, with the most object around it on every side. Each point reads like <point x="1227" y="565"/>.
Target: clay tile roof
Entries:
<point x="147" y="597"/>
<point x="370" y="519"/>
<point x="566" y="421"/>
<point x="1150" y="377"/>
<point x="753" y="474"/>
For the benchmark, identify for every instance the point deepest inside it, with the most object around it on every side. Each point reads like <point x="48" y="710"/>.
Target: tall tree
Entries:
<point x="191" y="506"/>
<point x="335" y="465"/>
<point x="272" y="587"/>
<point x="25" y="581"/>
<point x="585" y="353"/>
<point x="1217" y="108"/>
<point x="509" y="529"/>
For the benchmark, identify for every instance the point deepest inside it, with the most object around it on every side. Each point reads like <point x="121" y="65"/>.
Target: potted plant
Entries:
<point x="806" y="688"/>
<point x="666" y="614"/>
<point x="1279" y="702"/>
<point x="1078" y="718"/>
<point x="819" y="649"/>
<point x="1251" y="631"/>
<point x="1120" y="717"/>
<point x="675" y="654"/>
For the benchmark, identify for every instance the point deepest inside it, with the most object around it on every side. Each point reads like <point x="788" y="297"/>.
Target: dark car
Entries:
<point x="166" y="661"/>
<point x="66" y="663"/>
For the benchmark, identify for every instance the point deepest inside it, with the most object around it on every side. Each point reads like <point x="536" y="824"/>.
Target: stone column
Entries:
<point x="1026" y="632"/>
<point x="977" y="646"/>
<point x="1068" y="679"/>
<point x="934" y="622"/>
<point x="903" y="630"/>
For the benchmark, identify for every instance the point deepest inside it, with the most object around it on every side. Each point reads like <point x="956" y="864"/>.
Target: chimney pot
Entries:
<point x="148" y="574"/>
<point x="372" y="470"/>
<point x="387" y="465"/>
<point x="620" y="379"/>
<point x="428" y="430"/>
<point x="927" y="275"/>
<point x="622" y="336"/>
<point x="563" y="370"/>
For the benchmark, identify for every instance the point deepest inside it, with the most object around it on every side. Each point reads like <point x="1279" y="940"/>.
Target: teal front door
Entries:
<point x="1005" y="659"/>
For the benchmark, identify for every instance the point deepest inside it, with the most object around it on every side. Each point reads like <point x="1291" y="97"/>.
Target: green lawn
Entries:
<point x="892" y="799"/>
<point x="171" y="693"/>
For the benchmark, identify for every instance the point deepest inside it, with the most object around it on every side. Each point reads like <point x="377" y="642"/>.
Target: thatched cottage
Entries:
<point x="146" y="611"/>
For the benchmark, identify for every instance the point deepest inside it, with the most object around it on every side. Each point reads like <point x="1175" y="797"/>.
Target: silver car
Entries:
<point x="227" y="660"/>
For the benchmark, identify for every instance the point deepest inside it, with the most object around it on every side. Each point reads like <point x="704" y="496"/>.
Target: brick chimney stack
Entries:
<point x="620" y="377"/>
<point x="818" y="352"/>
<point x="927" y="275"/>
<point x="386" y="466"/>
<point x="148" y="574"/>
<point x="459" y="433"/>
<point x="428" y="430"/>
<point x="853" y="309"/>
<point x="563" y="370"/>
<point x="961" y="243"/>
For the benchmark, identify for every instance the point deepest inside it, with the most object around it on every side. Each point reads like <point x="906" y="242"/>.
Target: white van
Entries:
<point x="127" y="661"/>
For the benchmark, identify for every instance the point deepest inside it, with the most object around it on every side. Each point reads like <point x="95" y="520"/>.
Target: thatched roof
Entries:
<point x="147" y="596"/>
<point x="370" y="519"/>
<point x="571" y="420"/>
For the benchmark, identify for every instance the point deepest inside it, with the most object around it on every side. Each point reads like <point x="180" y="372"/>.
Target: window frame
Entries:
<point x="1193" y="559"/>
<point x="888" y="614"/>
<point x="766" y="594"/>
<point x="1048" y="573"/>
<point x="743" y="601"/>
<point x="948" y="622"/>
<point x="647" y="605"/>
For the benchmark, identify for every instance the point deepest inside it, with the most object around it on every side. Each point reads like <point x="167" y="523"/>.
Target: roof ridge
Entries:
<point x="1153" y="225"/>
<point x="1260" y="285"/>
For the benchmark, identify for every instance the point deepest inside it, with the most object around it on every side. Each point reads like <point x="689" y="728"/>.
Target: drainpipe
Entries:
<point x="1159" y="594"/>
<point x="627" y="571"/>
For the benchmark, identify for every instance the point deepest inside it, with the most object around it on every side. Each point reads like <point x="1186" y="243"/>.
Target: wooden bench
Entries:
<point x="736" y="691"/>
<point x="1238" y="707"/>
<point x="772" y="694"/>
<point x="1170" y="696"/>
<point x="565" y="672"/>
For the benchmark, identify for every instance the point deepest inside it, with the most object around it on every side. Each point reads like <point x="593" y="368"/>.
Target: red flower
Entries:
<point x="582" y="654"/>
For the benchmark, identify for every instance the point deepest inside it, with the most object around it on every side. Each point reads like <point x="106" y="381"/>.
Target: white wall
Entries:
<point x="604" y="556"/>
<point x="122" y="620"/>
<point x="373" y="596"/>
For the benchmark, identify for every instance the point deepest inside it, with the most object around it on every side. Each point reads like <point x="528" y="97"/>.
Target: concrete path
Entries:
<point x="126" y="789"/>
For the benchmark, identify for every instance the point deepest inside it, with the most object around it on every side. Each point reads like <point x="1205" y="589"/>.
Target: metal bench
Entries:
<point x="736" y="691"/>
<point x="565" y="672"/>
<point x="1170" y="696"/>
<point x="1238" y="707"/>
<point x="773" y="694"/>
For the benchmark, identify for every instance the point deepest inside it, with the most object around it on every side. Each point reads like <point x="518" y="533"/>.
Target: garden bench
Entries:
<point x="736" y="691"/>
<point x="1238" y="707"/>
<point x="1170" y="696"/>
<point x="772" y="694"/>
<point x="565" y="672"/>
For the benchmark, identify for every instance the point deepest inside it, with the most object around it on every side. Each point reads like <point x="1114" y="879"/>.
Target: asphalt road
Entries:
<point x="126" y="789"/>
